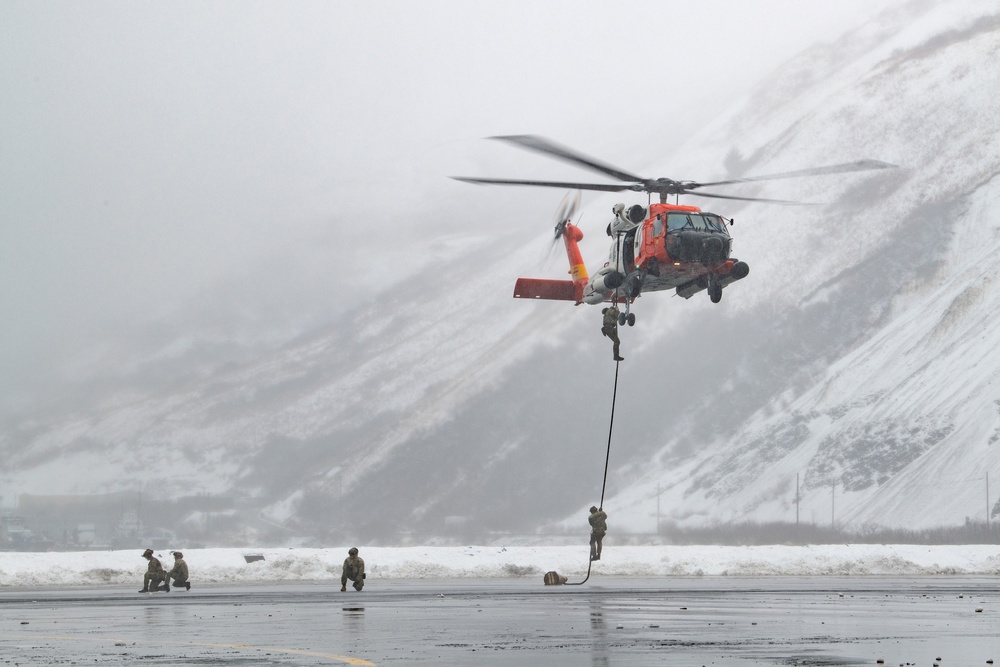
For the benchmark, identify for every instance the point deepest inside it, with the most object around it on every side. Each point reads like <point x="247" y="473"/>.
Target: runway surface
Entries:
<point x="612" y="621"/>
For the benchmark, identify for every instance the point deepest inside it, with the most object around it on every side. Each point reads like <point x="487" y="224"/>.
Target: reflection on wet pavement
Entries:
<point x="720" y="621"/>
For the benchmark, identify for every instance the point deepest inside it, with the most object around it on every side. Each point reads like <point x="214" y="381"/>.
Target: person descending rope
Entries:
<point x="610" y="329"/>
<point x="598" y="528"/>
<point x="598" y="517"/>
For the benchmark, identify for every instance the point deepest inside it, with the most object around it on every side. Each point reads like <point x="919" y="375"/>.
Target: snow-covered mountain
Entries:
<point x="883" y="303"/>
<point x="858" y="354"/>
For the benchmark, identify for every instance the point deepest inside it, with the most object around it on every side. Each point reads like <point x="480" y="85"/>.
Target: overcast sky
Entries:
<point x="154" y="153"/>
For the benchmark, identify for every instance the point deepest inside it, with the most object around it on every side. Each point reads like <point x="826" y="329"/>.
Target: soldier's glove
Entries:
<point x="364" y="575"/>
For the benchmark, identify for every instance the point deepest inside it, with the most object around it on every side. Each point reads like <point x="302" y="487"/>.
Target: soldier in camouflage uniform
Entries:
<point x="179" y="573"/>
<point x="154" y="572"/>
<point x="610" y="329"/>
<point x="598" y="528"/>
<point x="354" y="569"/>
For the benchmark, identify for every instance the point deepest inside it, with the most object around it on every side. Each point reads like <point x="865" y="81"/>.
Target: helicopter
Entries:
<point x="656" y="247"/>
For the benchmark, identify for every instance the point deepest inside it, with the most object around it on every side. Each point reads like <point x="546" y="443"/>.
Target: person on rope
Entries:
<point x="610" y="329"/>
<point x="598" y="528"/>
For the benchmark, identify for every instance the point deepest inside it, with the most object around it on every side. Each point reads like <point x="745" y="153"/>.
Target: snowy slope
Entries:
<point x="857" y="354"/>
<point x="900" y="429"/>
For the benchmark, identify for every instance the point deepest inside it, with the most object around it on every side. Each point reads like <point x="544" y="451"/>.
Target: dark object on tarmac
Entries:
<point x="554" y="579"/>
<point x="251" y="558"/>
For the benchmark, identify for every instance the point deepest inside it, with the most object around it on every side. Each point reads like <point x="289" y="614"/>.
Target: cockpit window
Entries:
<point x="714" y="222"/>
<point x="699" y="222"/>
<point x="678" y="221"/>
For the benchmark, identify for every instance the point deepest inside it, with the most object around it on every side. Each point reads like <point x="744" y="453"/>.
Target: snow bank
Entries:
<point x="283" y="565"/>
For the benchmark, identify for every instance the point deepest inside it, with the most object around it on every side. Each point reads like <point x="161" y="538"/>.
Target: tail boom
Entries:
<point x="559" y="290"/>
<point x="539" y="288"/>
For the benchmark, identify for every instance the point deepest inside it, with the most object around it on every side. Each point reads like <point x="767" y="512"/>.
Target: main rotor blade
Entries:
<point x="610" y="187"/>
<point x="860" y="165"/>
<point x="696" y="193"/>
<point x="547" y="147"/>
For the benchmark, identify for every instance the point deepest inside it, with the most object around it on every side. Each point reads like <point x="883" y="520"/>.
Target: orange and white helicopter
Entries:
<point x="655" y="247"/>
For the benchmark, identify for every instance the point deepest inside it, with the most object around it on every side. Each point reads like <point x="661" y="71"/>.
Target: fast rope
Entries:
<point x="607" y="459"/>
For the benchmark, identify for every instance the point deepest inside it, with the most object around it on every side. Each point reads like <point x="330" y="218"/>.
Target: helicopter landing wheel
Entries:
<point x="630" y="319"/>
<point x="715" y="292"/>
<point x="622" y="319"/>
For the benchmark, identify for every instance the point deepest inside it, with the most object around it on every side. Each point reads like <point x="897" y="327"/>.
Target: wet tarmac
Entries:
<point x="948" y="621"/>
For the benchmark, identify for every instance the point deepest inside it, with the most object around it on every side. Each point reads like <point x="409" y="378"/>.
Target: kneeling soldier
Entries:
<point x="179" y="572"/>
<point x="154" y="573"/>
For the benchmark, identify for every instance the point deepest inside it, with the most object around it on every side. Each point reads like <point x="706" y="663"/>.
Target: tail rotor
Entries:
<point x="570" y="234"/>
<point x="566" y="212"/>
<point x="563" y="215"/>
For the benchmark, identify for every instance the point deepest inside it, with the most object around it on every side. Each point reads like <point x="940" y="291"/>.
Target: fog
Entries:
<point x="254" y="169"/>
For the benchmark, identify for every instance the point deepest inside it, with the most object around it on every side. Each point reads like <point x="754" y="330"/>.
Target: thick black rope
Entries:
<point x="607" y="459"/>
<point x="614" y="398"/>
<point x="581" y="583"/>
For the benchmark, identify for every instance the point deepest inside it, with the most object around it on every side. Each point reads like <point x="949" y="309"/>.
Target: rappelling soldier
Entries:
<point x="610" y="329"/>
<point x="598" y="528"/>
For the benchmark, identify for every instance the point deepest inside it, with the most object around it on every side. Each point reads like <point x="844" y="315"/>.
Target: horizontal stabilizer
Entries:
<point x="537" y="288"/>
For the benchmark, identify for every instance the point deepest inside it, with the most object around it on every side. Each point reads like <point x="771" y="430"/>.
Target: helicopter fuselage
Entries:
<point x="666" y="246"/>
<point x="657" y="248"/>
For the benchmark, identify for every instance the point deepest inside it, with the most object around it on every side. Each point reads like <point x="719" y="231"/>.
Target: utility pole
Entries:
<point x="833" y="504"/>
<point x="658" y="508"/>
<point x="796" y="500"/>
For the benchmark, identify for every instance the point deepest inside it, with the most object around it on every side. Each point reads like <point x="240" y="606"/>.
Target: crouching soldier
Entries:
<point x="178" y="573"/>
<point x="354" y="569"/>
<point x="154" y="573"/>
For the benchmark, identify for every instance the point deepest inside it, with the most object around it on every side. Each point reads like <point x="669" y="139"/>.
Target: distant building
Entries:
<point x="118" y="520"/>
<point x="12" y="530"/>
<point x="88" y="520"/>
